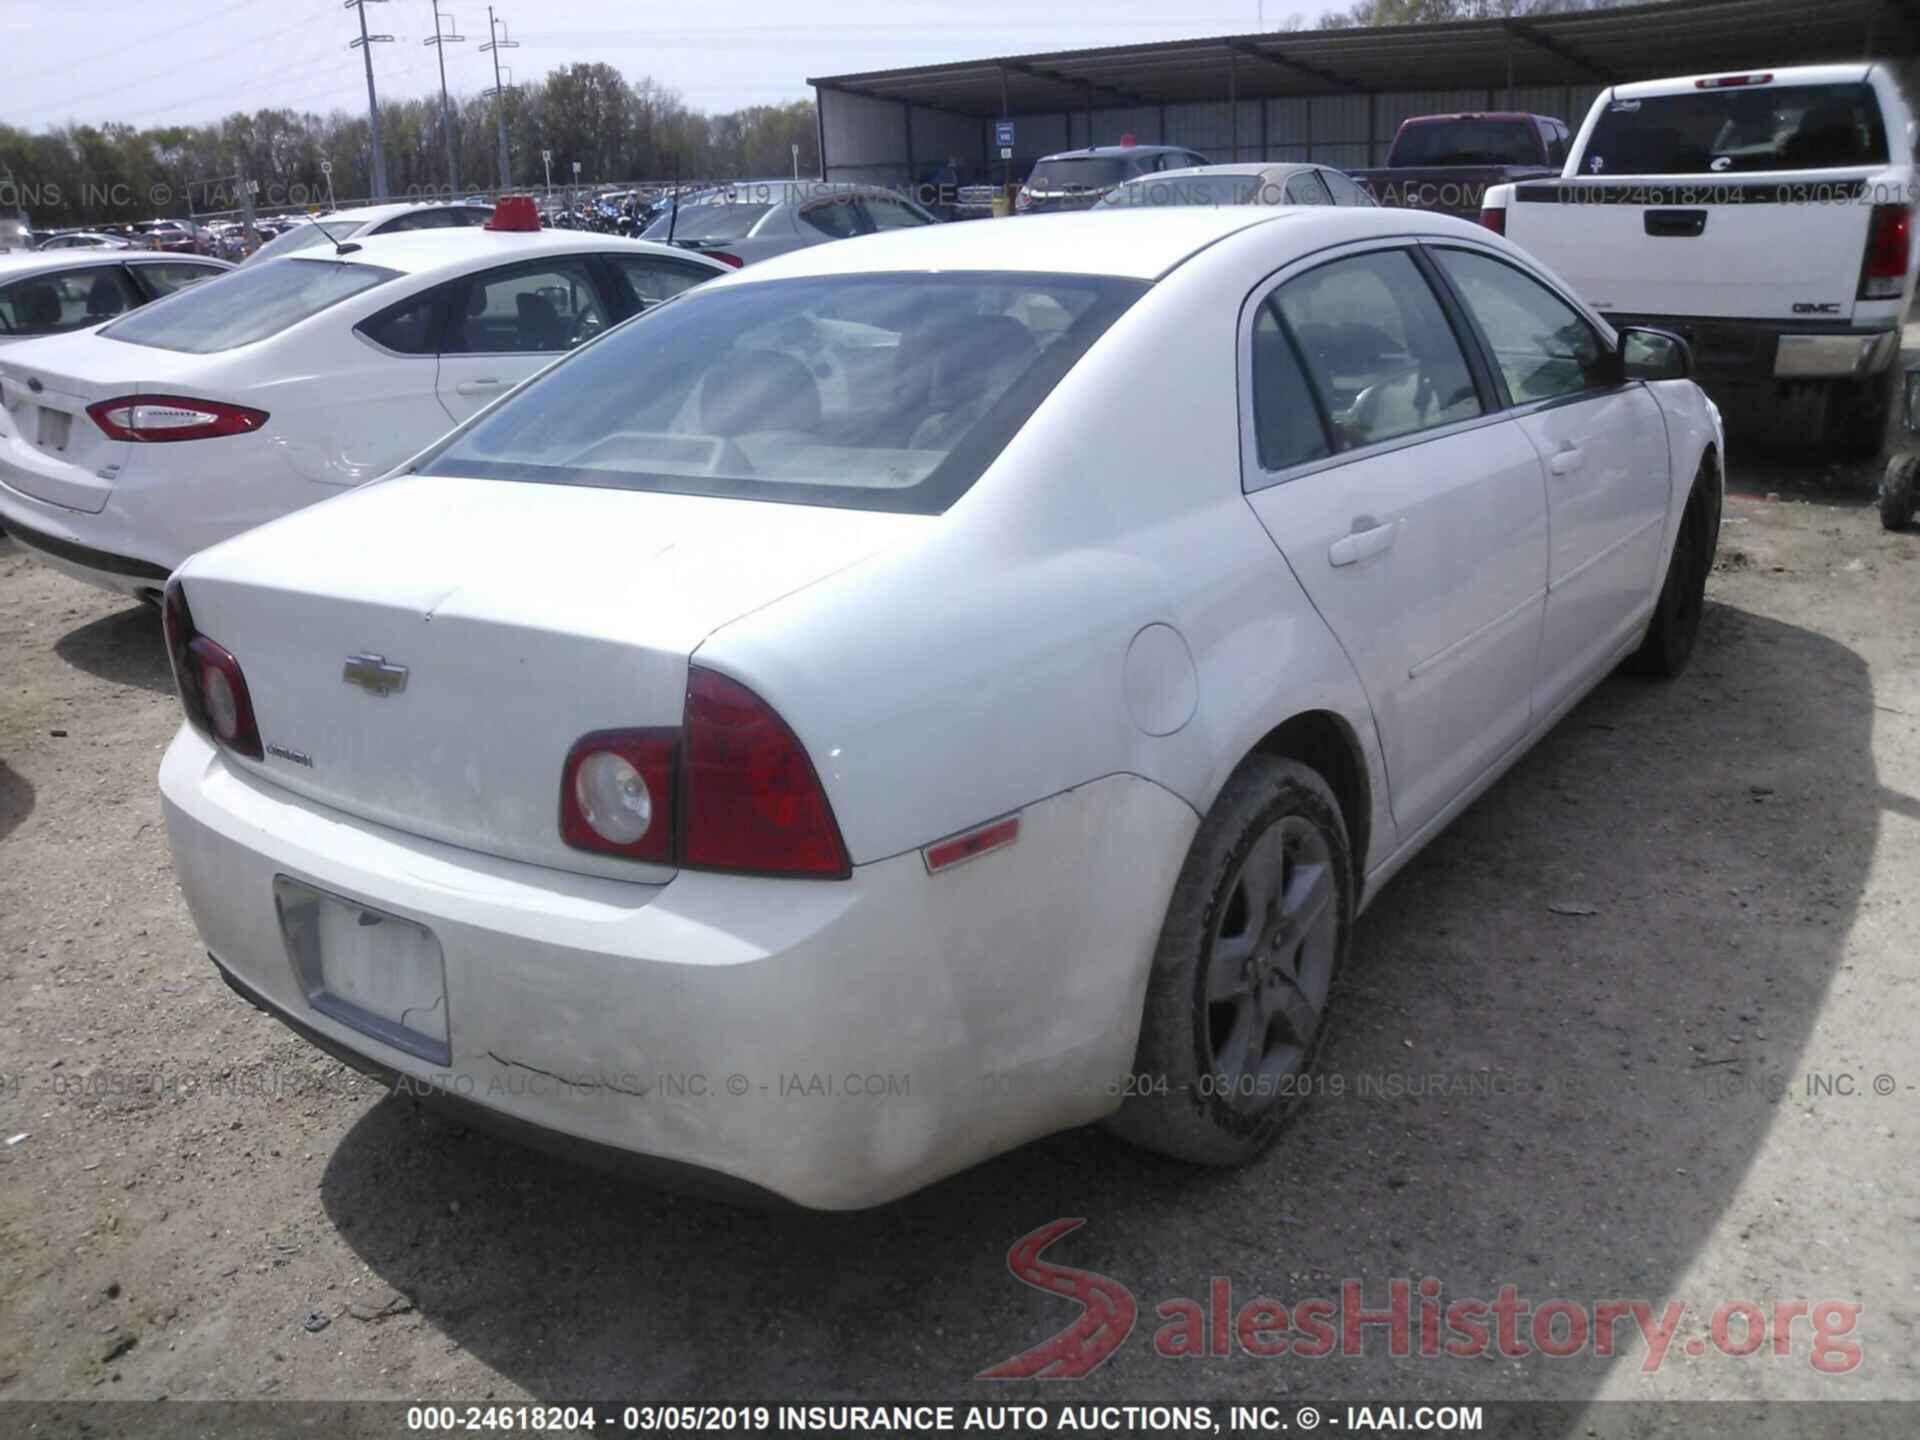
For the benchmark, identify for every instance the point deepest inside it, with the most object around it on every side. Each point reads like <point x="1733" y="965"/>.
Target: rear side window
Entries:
<point x="1306" y="188"/>
<point x="1739" y="130"/>
<point x="245" y="305"/>
<point x="839" y="217"/>
<point x="66" y="300"/>
<point x="1345" y="192"/>
<point x="407" y="328"/>
<point x="1378" y="347"/>
<point x="1286" y="416"/>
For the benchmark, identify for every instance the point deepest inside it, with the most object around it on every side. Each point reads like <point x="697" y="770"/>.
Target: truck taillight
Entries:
<point x="172" y="417"/>
<point x="733" y="789"/>
<point x="1731" y="82"/>
<point x="1494" y="217"/>
<point x="212" y="689"/>
<point x="1883" y="272"/>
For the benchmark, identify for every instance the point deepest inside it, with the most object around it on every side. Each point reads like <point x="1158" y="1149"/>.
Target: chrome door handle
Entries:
<point x="1566" y="460"/>
<point x="1369" y="537"/>
<point x="478" y="387"/>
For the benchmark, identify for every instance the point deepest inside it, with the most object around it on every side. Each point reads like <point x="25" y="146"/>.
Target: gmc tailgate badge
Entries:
<point x="373" y="674"/>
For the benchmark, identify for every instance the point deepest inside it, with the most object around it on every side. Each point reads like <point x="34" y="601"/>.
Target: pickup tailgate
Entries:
<point x="1786" y="247"/>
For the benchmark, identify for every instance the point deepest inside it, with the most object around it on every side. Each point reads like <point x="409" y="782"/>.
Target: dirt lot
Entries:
<point x="1670" y="1098"/>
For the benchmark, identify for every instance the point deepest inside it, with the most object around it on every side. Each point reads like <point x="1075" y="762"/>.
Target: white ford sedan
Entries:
<point x="919" y="694"/>
<point x="126" y="447"/>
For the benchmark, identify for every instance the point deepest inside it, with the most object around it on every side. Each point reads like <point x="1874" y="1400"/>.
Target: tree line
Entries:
<point x="617" y="129"/>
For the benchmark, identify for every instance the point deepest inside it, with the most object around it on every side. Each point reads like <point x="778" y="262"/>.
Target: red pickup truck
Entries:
<point x="1446" y="162"/>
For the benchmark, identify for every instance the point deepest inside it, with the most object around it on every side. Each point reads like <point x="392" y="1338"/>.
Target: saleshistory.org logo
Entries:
<point x="1414" y="1320"/>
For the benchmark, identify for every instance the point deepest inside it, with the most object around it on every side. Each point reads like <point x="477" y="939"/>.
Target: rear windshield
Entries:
<point x="1084" y="172"/>
<point x="305" y="235"/>
<point x="246" y="305"/>
<point x="869" y="392"/>
<point x="1739" y="131"/>
<point x="724" y="221"/>
<point x="1468" y="142"/>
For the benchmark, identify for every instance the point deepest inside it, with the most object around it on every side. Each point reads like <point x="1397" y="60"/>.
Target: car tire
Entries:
<point x="1857" y="416"/>
<point x="1675" y="625"/>
<point x="1237" y="998"/>
<point x="1896" y="492"/>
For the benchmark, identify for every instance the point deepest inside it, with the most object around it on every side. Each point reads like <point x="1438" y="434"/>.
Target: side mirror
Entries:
<point x="1647" y="354"/>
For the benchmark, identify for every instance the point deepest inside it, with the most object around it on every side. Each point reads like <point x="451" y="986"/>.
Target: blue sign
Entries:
<point x="1003" y="133"/>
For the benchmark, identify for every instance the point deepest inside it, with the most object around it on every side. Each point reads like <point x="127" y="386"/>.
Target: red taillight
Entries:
<point x="732" y="789"/>
<point x="753" y="801"/>
<point x="724" y="257"/>
<point x="1494" y="217"/>
<point x="213" y="692"/>
<point x="172" y="417"/>
<point x="616" y="794"/>
<point x="1883" y="273"/>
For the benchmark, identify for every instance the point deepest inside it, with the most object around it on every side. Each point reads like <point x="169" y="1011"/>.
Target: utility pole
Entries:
<point x="441" y="39"/>
<point x="496" y="42"/>
<point x="365" y="46"/>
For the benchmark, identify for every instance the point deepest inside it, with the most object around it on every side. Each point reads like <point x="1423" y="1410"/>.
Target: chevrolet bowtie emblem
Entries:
<point x="373" y="674"/>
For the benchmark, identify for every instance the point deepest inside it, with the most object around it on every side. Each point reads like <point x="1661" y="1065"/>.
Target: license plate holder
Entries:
<point x="56" y="428"/>
<point x="380" y="973"/>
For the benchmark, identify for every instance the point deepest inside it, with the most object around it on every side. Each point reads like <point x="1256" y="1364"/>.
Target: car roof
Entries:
<point x="31" y="262"/>
<point x="455" y="251"/>
<point x="1244" y="167"/>
<point x="1141" y="244"/>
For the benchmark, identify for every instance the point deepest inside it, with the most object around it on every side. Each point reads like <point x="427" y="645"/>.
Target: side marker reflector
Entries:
<point x="992" y="836"/>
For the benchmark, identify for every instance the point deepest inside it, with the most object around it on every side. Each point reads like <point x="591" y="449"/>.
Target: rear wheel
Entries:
<point x="1896" y="491"/>
<point x="1237" y="999"/>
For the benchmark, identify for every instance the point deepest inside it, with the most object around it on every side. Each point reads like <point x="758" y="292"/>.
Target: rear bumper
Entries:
<point x="47" y="532"/>
<point x="836" y="1044"/>
<point x="1778" y="349"/>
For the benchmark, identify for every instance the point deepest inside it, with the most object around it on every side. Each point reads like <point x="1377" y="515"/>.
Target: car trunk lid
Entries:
<point x="50" y="448"/>
<point x="423" y="652"/>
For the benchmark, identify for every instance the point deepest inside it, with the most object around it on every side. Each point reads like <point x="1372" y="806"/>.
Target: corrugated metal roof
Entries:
<point x="1581" y="47"/>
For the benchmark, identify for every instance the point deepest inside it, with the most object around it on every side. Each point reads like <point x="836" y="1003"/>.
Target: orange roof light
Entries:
<point x="513" y="212"/>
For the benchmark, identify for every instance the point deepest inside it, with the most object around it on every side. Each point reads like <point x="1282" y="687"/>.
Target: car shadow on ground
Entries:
<point x="1553" y="1056"/>
<point x="127" y="647"/>
<point x="16" y="799"/>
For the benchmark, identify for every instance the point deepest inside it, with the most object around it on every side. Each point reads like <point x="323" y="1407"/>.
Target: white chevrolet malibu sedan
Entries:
<point x="922" y="693"/>
<point x="126" y="447"/>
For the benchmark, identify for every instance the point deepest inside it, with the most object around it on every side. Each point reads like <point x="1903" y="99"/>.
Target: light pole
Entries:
<point x="441" y="39"/>
<point x="365" y="46"/>
<point x="496" y="42"/>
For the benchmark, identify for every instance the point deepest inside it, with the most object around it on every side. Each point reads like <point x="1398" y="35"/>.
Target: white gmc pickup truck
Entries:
<point x="1766" y="217"/>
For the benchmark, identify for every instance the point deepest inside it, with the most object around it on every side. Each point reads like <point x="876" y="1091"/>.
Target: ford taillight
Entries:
<point x="212" y="689"/>
<point x="172" y="417"/>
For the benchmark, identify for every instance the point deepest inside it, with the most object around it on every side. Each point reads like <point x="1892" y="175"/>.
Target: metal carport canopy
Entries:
<point x="1580" y="47"/>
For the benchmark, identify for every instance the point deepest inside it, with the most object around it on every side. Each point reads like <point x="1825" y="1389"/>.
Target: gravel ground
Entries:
<point x="1628" y="981"/>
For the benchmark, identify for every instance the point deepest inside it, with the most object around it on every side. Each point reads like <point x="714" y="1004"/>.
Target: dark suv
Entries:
<point x="1076" y="179"/>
